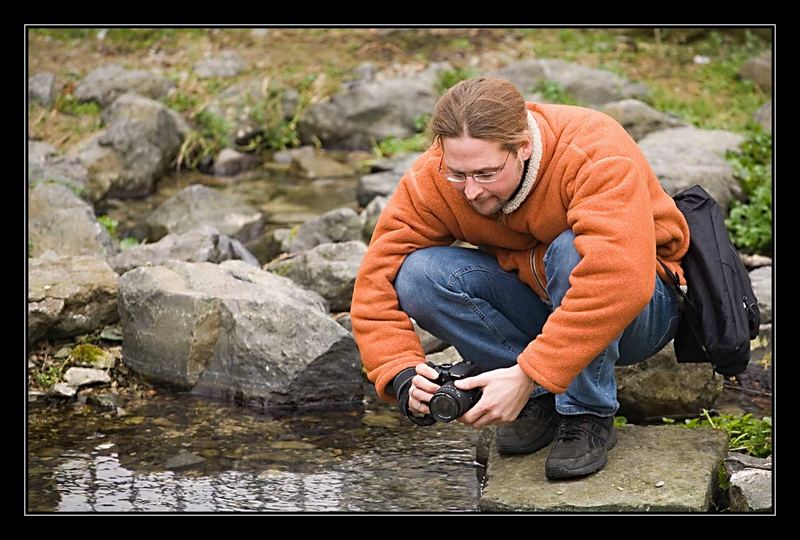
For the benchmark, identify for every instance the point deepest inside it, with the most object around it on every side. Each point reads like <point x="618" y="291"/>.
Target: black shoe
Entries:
<point x="533" y="429"/>
<point x="581" y="445"/>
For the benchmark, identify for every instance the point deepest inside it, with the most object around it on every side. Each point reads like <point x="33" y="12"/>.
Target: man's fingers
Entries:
<point x="425" y="384"/>
<point x="421" y="395"/>
<point x="415" y="404"/>
<point x="426" y="371"/>
<point x="471" y="382"/>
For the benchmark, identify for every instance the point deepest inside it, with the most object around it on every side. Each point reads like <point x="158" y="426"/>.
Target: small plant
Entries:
<point x="67" y="103"/>
<point x="620" y="421"/>
<point x="46" y="377"/>
<point x="392" y="145"/>
<point x="745" y="433"/>
<point x="110" y="225"/>
<point x="49" y="372"/>
<point x="554" y="92"/>
<point x="204" y="142"/>
<point x="181" y="102"/>
<point x="451" y="77"/>
<point x="127" y="243"/>
<point x="750" y="222"/>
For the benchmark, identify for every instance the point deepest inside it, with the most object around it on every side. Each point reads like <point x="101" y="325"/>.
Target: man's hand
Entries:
<point x="422" y="389"/>
<point x="505" y="392"/>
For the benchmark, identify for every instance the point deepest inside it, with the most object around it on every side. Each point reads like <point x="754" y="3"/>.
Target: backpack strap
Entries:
<point x="686" y="301"/>
<point x="676" y="284"/>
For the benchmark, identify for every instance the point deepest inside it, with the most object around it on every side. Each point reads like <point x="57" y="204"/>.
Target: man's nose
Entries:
<point x="472" y="189"/>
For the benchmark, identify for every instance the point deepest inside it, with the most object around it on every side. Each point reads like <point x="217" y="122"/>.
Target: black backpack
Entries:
<point x="720" y="311"/>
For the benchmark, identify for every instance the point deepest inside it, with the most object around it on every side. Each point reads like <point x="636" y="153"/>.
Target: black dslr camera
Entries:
<point x="449" y="402"/>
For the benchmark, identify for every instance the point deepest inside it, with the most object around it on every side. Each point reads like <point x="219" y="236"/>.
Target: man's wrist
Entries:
<point x="524" y="376"/>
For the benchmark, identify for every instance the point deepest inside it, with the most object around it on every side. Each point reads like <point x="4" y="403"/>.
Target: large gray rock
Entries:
<point x="138" y="147"/>
<point x="639" y="118"/>
<point x="339" y="225"/>
<point x="42" y="88"/>
<point x="101" y="166"/>
<point x="750" y="481"/>
<point x="196" y="205"/>
<point x="68" y="171"/>
<point x="59" y="221"/>
<point x="328" y="269"/>
<point x="357" y="117"/>
<point x="759" y="70"/>
<point x="380" y="184"/>
<point x="106" y="83"/>
<point x="203" y="244"/>
<point x="588" y="86"/>
<point x="234" y="331"/>
<point x="751" y="491"/>
<point x="68" y="296"/>
<point x="651" y="469"/>
<point x="661" y="387"/>
<point x="683" y="157"/>
<point x="225" y="64"/>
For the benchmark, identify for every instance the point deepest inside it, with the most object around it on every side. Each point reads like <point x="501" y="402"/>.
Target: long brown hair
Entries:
<point x="481" y="108"/>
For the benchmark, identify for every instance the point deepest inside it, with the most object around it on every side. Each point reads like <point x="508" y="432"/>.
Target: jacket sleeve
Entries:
<point x="611" y="215"/>
<point x="383" y="332"/>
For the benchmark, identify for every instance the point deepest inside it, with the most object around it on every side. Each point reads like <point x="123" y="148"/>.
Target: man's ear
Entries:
<point x="526" y="149"/>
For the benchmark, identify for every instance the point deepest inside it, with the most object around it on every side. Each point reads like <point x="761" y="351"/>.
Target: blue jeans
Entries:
<point x="465" y="298"/>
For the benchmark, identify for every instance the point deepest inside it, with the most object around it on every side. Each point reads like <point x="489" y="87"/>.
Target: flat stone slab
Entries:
<point x="651" y="469"/>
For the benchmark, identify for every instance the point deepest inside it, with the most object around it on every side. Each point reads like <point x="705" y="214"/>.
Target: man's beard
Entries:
<point x="489" y="208"/>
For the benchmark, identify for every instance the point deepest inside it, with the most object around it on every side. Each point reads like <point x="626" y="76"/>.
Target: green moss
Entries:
<point x="86" y="354"/>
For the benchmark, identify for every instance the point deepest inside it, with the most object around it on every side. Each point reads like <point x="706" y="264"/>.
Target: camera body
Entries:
<point x="449" y="402"/>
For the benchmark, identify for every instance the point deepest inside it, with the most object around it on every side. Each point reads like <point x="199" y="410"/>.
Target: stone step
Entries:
<point x="651" y="469"/>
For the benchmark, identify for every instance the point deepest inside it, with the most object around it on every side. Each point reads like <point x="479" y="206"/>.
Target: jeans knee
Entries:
<point x="412" y="280"/>
<point x="561" y="256"/>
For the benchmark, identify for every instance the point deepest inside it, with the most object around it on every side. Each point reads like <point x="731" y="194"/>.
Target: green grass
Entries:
<point x="710" y="95"/>
<point x="745" y="433"/>
<point x="120" y="39"/>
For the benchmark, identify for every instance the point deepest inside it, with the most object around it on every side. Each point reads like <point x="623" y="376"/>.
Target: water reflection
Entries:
<point x="359" y="460"/>
<point x="101" y="483"/>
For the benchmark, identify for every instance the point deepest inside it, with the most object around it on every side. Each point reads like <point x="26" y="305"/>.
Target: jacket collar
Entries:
<point x="533" y="168"/>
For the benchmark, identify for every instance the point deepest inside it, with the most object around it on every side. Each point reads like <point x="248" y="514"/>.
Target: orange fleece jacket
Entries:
<point x="591" y="177"/>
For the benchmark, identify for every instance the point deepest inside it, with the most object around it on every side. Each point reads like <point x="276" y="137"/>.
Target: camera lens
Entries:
<point x="444" y="407"/>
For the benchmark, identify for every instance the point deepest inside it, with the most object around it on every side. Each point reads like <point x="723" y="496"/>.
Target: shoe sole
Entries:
<point x="535" y="446"/>
<point x="561" y="473"/>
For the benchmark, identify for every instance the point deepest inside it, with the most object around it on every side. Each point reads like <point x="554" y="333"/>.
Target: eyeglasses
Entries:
<point x="486" y="177"/>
